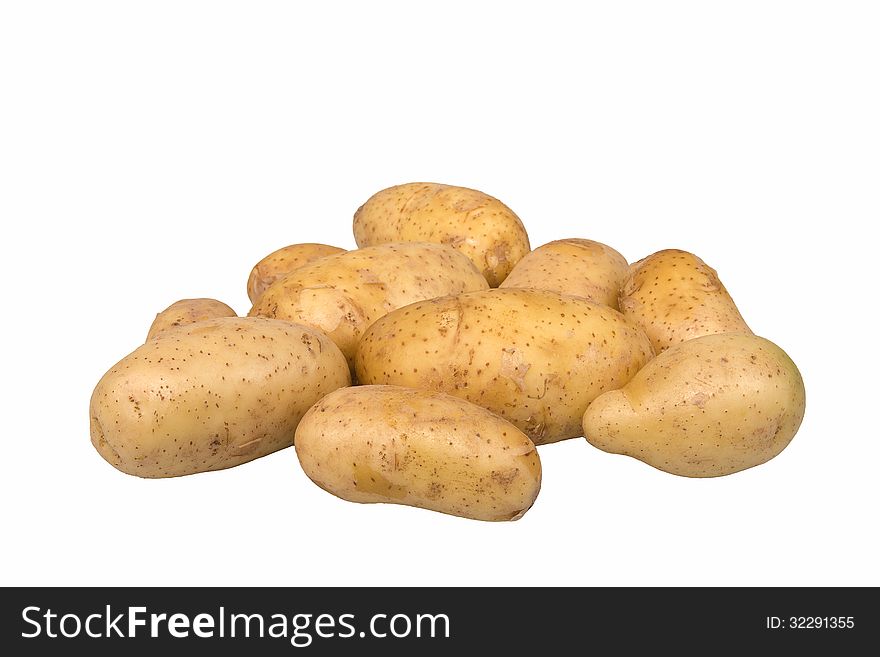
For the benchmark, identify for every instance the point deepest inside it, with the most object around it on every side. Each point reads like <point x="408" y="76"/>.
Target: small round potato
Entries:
<point x="343" y="294"/>
<point x="418" y="448"/>
<point x="707" y="407"/>
<point x="478" y="225"/>
<point x="280" y="263"/>
<point x="581" y="268"/>
<point x="187" y="311"/>
<point x="674" y="296"/>
<point x="211" y="395"/>
<point x="535" y="358"/>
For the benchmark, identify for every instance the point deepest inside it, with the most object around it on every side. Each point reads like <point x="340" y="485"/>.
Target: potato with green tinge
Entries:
<point x="707" y="407"/>
<point x="476" y="224"/>
<point x="582" y="268"/>
<point x="418" y="448"/>
<point x="674" y="296"/>
<point x="343" y="294"/>
<point x="280" y="263"/>
<point x="211" y="395"/>
<point x="185" y="312"/>
<point x="535" y="358"/>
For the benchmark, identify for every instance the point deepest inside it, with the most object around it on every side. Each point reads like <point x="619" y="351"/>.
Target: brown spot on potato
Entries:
<point x="505" y="478"/>
<point x="513" y="366"/>
<point x="699" y="399"/>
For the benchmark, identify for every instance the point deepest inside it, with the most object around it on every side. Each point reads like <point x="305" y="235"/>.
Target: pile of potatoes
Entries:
<point x="424" y="367"/>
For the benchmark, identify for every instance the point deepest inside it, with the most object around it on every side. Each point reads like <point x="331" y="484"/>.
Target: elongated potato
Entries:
<point x="280" y="263"/>
<point x="710" y="406"/>
<point x="674" y="296"/>
<point x="582" y="268"/>
<point x="478" y="225"/>
<point x="535" y="358"/>
<point x="418" y="448"/>
<point x="187" y="311"/>
<point x="211" y="395"/>
<point x="343" y="294"/>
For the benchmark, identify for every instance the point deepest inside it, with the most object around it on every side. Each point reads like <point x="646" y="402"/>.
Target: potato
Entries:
<point x="707" y="407"/>
<point x="211" y="395"/>
<point x="280" y="263"/>
<point x="481" y="227"/>
<point x="418" y="448"/>
<point x="187" y="311"/>
<point x="343" y="294"/>
<point x="582" y="268"/>
<point x="535" y="358"/>
<point x="674" y="296"/>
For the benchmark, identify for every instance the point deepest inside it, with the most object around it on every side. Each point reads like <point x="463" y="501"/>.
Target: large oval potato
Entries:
<point x="211" y="395"/>
<point x="418" y="448"/>
<point x="280" y="263"/>
<point x="535" y="358"/>
<point x="478" y="225"/>
<point x="185" y="312"/>
<point x="582" y="268"/>
<point x="707" y="407"/>
<point x="674" y="296"/>
<point x="343" y="294"/>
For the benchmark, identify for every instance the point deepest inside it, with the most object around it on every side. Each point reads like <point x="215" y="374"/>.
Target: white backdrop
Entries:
<point x="154" y="151"/>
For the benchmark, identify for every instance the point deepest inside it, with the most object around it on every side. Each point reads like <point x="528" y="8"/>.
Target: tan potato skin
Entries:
<point x="535" y="358"/>
<point x="211" y="395"/>
<point x="343" y="294"/>
<point x="418" y="448"/>
<point x="478" y="225"/>
<point x="280" y="263"/>
<point x="582" y="268"/>
<point x="674" y="296"/>
<point x="187" y="311"/>
<point x="707" y="407"/>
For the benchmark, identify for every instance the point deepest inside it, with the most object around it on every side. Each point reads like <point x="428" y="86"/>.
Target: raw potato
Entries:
<point x="211" y="395"/>
<point x="343" y="294"/>
<point x="535" y="358"/>
<point x="280" y="263"/>
<point x="478" y="225"/>
<point x="187" y="311"/>
<point x="418" y="448"/>
<point x="582" y="268"/>
<point x="704" y="408"/>
<point x="674" y="296"/>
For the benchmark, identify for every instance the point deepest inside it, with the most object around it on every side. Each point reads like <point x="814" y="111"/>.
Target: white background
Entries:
<point x="156" y="150"/>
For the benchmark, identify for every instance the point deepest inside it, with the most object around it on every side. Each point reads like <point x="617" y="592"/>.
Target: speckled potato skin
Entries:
<point x="187" y="311"/>
<point x="343" y="294"/>
<point x="535" y="358"/>
<point x="280" y="263"/>
<point x="425" y="449"/>
<point x="478" y="225"/>
<point x="211" y="395"/>
<point x="582" y="268"/>
<point x="674" y="296"/>
<point x="707" y="407"/>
